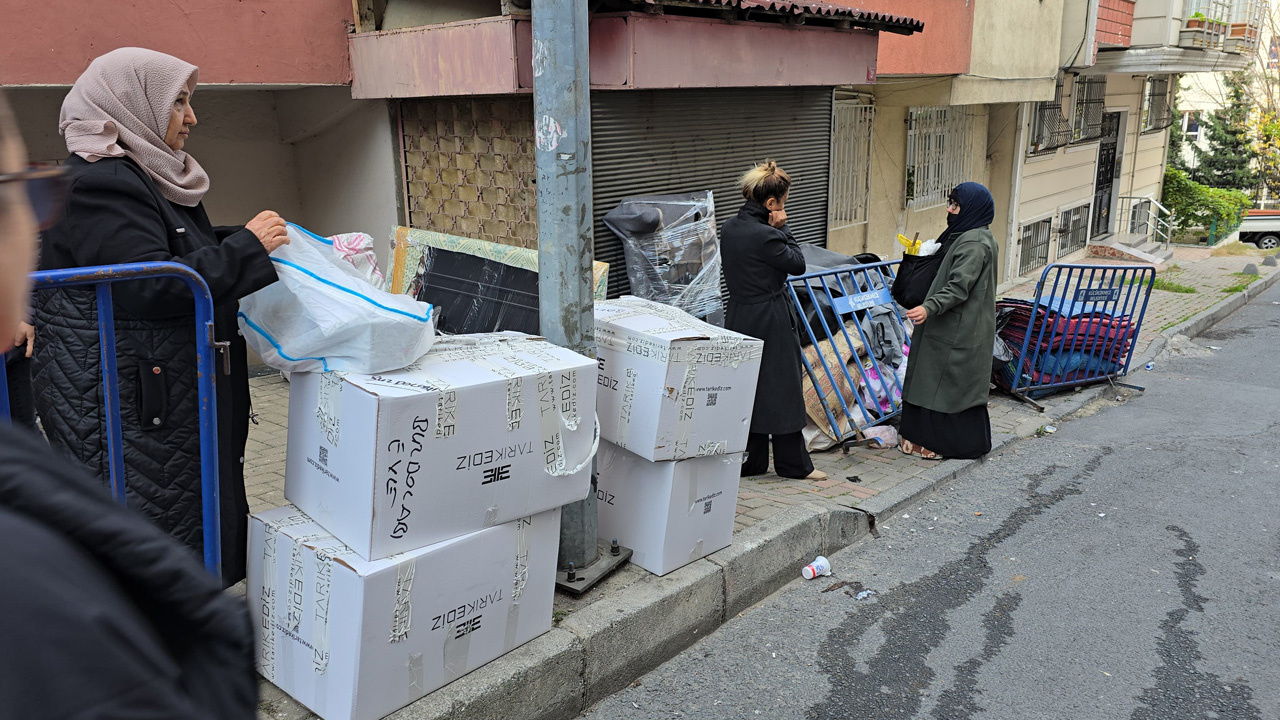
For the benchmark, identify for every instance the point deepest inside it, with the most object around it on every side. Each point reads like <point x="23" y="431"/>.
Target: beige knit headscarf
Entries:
<point x="120" y="107"/>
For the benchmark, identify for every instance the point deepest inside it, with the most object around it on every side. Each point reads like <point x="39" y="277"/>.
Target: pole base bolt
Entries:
<point x="613" y="547"/>
<point x="572" y="574"/>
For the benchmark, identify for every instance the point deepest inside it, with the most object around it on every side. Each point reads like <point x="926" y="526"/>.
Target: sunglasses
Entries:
<point x="46" y="191"/>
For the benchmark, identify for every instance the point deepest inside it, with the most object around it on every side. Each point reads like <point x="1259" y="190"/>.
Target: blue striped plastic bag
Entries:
<point x="323" y="316"/>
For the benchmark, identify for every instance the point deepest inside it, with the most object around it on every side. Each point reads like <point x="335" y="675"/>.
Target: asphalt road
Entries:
<point x="1126" y="566"/>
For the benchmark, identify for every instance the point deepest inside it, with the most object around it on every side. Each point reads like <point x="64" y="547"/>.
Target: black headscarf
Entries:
<point x="977" y="210"/>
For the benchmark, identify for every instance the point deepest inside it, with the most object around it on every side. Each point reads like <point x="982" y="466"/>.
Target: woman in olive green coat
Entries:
<point x="944" y="408"/>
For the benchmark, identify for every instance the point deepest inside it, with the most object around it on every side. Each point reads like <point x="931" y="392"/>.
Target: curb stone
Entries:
<point x="606" y="645"/>
<point x="893" y="501"/>
<point x="1220" y="311"/>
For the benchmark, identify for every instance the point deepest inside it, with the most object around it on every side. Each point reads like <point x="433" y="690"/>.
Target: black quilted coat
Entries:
<point x="101" y="614"/>
<point x="115" y="215"/>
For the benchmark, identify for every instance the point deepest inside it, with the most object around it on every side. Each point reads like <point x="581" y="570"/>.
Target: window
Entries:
<point x="1090" y="100"/>
<point x="1156" y="113"/>
<point x="1191" y="125"/>
<point x="850" y="162"/>
<point x="1073" y="230"/>
<point x="939" y="152"/>
<point x="1034" y="245"/>
<point x="1273" y="54"/>
<point x="1050" y="129"/>
<point x="1140" y="217"/>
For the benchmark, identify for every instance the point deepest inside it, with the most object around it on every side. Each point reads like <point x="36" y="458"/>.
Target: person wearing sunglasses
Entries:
<point x="944" y="396"/>
<point x="135" y="195"/>
<point x="102" y="615"/>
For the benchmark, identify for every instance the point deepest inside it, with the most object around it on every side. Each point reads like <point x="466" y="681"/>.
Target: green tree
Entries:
<point x="1177" y="138"/>
<point x="1228" y="163"/>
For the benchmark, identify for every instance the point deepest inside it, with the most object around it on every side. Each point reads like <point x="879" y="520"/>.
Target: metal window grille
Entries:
<point x="1034" y="246"/>
<point x="1090" y="101"/>
<point x="1156" y="113"/>
<point x="1050" y="129"/>
<point x="1073" y="230"/>
<point x="850" y="162"/>
<point x="939" y="148"/>
<point x="1140" y="218"/>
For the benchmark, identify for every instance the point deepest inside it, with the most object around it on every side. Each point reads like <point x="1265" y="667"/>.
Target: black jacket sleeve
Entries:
<point x="222" y="232"/>
<point x="118" y="222"/>
<point x="782" y="252"/>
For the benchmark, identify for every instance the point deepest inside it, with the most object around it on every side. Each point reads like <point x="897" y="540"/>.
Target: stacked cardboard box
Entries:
<point x="426" y="523"/>
<point x="674" y="404"/>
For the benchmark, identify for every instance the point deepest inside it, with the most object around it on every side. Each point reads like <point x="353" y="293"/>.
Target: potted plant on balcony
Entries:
<point x="1194" y="35"/>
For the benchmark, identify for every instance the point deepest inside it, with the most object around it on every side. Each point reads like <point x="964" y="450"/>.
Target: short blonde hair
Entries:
<point x="765" y="181"/>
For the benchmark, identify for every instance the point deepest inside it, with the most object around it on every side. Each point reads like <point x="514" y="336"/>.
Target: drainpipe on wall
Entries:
<point x="1015" y="199"/>
<point x="566" y="315"/>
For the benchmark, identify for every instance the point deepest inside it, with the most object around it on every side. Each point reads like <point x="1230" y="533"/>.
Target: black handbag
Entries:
<point x="915" y="275"/>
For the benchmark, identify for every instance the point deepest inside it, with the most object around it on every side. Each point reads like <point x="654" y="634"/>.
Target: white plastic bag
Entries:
<point x="323" y="315"/>
<point x="357" y="249"/>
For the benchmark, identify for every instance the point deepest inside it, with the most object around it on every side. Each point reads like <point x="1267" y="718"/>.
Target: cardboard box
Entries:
<point x="356" y="640"/>
<point x="668" y="513"/>
<point x="483" y="430"/>
<point x="672" y="386"/>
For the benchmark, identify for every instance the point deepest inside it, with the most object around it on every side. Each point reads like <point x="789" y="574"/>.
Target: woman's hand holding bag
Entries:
<point x="271" y="229"/>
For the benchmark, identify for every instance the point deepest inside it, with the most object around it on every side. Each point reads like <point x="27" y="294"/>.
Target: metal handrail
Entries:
<point x="101" y="277"/>
<point x="1158" y="226"/>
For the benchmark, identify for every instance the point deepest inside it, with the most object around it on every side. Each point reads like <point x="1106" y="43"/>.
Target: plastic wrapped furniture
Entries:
<point x="672" y="251"/>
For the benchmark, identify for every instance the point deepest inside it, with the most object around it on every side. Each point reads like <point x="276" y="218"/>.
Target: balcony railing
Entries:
<point x="1205" y="27"/>
<point x="1231" y="25"/>
<point x="1245" y="31"/>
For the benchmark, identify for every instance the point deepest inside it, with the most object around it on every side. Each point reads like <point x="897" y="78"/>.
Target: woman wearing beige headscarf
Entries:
<point x="135" y="196"/>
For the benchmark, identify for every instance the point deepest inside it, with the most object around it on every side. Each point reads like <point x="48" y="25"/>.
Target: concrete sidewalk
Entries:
<point x="634" y="621"/>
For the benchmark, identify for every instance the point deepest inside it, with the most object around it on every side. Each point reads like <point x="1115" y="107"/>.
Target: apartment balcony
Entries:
<point x="1233" y="26"/>
<point x="1185" y="36"/>
<point x="1244" y="33"/>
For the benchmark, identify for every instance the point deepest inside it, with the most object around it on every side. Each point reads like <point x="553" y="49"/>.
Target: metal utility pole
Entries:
<point x="562" y="141"/>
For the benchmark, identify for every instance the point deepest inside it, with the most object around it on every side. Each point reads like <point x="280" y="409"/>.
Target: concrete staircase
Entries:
<point x="1130" y="246"/>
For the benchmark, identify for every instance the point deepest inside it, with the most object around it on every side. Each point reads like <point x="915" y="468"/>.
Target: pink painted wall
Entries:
<point x="470" y="57"/>
<point x="943" y="48"/>
<point x="279" y="42"/>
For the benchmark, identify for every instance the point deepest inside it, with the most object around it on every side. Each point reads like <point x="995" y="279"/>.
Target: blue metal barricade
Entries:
<point x="850" y="311"/>
<point x="1081" y="328"/>
<point x="101" y="278"/>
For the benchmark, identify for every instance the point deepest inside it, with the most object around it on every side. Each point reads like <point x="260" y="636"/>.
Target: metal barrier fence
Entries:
<point x="850" y="311"/>
<point x="1081" y="328"/>
<point x="101" y="278"/>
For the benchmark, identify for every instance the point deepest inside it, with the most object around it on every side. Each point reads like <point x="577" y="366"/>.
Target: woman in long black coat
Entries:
<point x="135" y="196"/>
<point x="758" y="253"/>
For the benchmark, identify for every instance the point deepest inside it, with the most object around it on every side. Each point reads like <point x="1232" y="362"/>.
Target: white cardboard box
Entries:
<point x="668" y="513"/>
<point x="483" y="430"/>
<point x="672" y="386"/>
<point x="356" y="640"/>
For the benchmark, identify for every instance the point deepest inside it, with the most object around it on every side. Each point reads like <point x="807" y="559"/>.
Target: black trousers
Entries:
<point x="790" y="458"/>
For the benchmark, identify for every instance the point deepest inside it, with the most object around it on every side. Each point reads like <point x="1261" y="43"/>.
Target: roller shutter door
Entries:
<point x="658" y="142"/>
